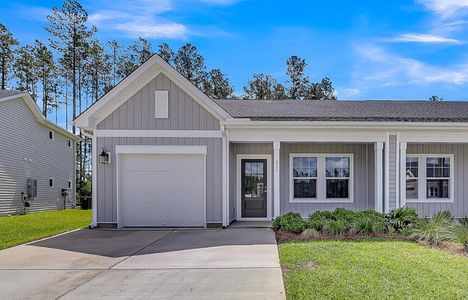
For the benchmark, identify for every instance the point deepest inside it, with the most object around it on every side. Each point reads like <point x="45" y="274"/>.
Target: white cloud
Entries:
<point x="143" y="18"/>
<point x="220" y="2"/>
<point x="348" y="93"/>
<point x="446" y="8"/>
<point x="380" y="67"/>
<point x="422" y="38"/>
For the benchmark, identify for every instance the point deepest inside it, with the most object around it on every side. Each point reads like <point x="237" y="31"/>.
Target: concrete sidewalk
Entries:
<point x="185" y="264"/>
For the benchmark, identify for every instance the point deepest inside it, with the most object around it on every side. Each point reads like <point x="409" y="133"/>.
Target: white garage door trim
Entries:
<point x="139" y="149"/>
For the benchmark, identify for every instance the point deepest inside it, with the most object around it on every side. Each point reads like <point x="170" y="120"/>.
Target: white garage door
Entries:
<point x="162" y="190"/>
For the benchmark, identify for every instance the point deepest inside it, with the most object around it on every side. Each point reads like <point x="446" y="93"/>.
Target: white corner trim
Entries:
<point x="225" y="172"/>
<point x="402" y="183"/>
<point x="143" y="149"/>
<point x="239" y="158"/>
<point x="158" y="133"/>
<point x="378" y="164"/>
<point x="387" y="175"/>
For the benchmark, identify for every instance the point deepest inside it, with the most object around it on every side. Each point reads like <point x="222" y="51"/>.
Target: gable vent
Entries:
<point x="161" y="105"/>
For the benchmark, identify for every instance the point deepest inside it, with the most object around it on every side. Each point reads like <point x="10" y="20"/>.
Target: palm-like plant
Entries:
<point x="460" y="233"/>
<point x="434" y="230"/>
<point x="402" y="217"/>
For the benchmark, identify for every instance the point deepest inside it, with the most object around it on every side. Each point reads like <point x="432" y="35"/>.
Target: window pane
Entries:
<point x="437" y="188"/>
<point x="305" y="188"/>
<point x="412" y="167"/>
<point x="337" y="167"/>
<point x="304" y="166"/>
<point x="412" y="189"/>
<point x="337" y="188"/>
<point x="438" y="167"/>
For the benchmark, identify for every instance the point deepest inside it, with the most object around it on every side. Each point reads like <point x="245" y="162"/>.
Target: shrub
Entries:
<point x="390" y="230"/>
<point x="337" y="227"/>
<point x="318" y="219"/>
<point x="291" y="222"/>
<point x="434" y="230"/>
<point x="369" y="222"/>
<point x="310" y="234"/>
<point x="407" y="231"/>
<point x="402" y="217"/>
<point x="460" y="233"/>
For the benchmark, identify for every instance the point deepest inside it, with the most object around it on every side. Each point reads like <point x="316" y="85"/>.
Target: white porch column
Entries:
<point x="276" y="178"/>
<point x="378" y="147"/>
<point x="94" y="155"/>
<point x="403" y="147"/>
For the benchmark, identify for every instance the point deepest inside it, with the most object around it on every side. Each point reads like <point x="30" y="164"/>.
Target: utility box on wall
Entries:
<point x="31" y="191"/>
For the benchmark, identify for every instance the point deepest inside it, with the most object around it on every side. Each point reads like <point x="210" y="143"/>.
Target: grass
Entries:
<point x="371" y="269"/>
<point x="15" y="230"/>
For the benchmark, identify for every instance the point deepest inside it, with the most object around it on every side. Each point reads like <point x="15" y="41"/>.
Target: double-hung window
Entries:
<point x="429" y="178"/>
<point x="325" y="178"/>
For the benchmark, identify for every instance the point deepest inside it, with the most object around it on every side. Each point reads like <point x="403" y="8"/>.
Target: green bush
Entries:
<point x="369" y="222"/>
<point x="290" y="222"/>
<point x="318" y="219"/>
<point x="337" y="227"/>
<point x="460" y="233"/>
<point x="434" y="230"/>
<point x="402" y="217"/>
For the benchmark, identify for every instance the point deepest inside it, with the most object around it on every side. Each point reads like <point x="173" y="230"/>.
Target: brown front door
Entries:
<point x="254" y="188"/>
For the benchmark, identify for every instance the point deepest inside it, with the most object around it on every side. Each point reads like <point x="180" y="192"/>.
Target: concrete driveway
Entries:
<point x="142" y="264"/>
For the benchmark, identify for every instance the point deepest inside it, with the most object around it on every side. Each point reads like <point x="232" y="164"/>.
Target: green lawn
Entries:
<point x="371" y="269"/>
<point x="17" y="230"/>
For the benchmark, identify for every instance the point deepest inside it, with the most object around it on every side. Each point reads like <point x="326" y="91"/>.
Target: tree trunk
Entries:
<point x="3" y="72"/>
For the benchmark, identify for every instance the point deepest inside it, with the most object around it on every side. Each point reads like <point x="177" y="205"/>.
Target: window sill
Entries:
<point x="325" y="201"/>
<point x="430" y="200"/>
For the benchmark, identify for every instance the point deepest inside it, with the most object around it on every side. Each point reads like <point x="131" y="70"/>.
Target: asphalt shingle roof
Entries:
<point x="340" y="110"/>
<point x="9" y="93"/>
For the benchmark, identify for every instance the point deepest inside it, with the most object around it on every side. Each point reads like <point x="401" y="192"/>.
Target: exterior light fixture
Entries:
<point x="104" y="157"/>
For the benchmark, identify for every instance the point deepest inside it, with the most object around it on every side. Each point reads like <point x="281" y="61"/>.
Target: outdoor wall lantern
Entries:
<point x="104" y="157"/>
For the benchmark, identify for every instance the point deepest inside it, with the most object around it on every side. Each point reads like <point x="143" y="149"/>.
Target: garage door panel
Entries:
<point x="145" y="162"/>
<point x="164" y="198"/>
<point x="162" y="190"/>
<point x="161" y="180"/>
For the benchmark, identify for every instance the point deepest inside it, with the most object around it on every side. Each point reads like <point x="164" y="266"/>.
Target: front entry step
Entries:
<point x="251" y="224"/>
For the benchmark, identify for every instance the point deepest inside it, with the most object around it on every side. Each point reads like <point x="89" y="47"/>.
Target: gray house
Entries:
<point x="37" y="158"/>
<point x="170" y="156"/>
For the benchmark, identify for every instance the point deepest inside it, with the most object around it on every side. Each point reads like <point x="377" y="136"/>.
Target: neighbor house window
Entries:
<point x="51" y="182"/>
<point x="429" y="178"/>
<point x="69" y="184"/>
<point x="320" y="178"/>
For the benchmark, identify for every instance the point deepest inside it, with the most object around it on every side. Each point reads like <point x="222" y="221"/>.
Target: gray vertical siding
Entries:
<point x="106" y="174"/>
<point x="392" y="180"/>
<point x="27" y="152"/>
<point x="244" y="148"/>
<point x="363" y="176"/>
<point x="460" y="205"/>
<point x="138" y="111"/>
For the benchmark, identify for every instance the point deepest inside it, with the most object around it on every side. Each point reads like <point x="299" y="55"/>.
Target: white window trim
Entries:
<point x="53" y="182"/>
<point x="321" y="179"/>
<point x="422" y="179"/>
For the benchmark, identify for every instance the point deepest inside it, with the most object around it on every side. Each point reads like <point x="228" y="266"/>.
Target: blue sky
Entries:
<point x="370" y="49"/>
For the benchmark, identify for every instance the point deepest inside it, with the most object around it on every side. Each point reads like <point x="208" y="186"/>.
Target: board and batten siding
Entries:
<point x="106" y="174"/>
<point x="245" y="148"/>
<point x="363" y="180"/>
<point x="459" y="207"/>
<point x="138" y="111"/>
<point x="392" y="171"/>
<point x="27" y="152"/>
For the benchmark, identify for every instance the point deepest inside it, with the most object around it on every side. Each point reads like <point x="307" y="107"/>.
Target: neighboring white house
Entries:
<point x="171" y="156"/>
<point x="34" y="152"/>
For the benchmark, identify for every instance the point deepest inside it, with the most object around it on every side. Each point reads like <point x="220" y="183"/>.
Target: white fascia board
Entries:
<point x="158" y="133"/>
<point x="246" y="123"/>
<point x="143" y="149"/>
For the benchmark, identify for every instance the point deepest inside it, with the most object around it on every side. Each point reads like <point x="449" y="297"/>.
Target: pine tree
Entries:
<point x="191" y="65"/>
<point x="7" y="42"/>
<point x="261" y="86"/>
<point x="45" y="70"/>
<point x="24" y="69"/>
<point x="69" y="28"/>
<point x="142" y="50"/>
<point x="166" y="53"/>
<point x="298" y="82"/>
<point x="218" y="86"/>
<point x="114" y="46"/>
